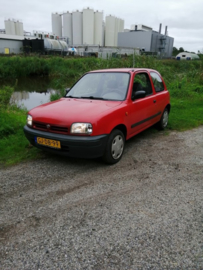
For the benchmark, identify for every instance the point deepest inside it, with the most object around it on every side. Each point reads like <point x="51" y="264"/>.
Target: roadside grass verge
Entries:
<point x="186" y="113"/>
<point x="186" y="94"/>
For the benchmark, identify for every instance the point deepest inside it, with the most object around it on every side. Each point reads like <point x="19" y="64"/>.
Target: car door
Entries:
<point x="143" y="111"/>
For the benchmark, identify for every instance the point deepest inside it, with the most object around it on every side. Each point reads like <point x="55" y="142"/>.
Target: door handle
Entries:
<point x="154" y="100"/>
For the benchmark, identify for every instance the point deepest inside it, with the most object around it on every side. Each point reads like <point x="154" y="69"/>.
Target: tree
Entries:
<point x="175" y="51"/>
<point x="181" y="49"/>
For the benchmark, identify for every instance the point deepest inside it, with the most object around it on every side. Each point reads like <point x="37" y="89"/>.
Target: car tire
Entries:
<point x="114" y="147"/>
<point x="162" y="124"/>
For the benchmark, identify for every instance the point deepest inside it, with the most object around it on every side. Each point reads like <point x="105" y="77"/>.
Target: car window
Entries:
<point x="157" y="81"/>
<point x="86" y="86"/>
<point x="142" y="82"/>
<point x="102" y="85"/>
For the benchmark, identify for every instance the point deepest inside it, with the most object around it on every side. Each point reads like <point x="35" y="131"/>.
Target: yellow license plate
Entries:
<point x="48" y="142"/>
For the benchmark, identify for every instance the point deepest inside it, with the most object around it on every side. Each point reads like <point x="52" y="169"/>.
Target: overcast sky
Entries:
<point x="184" y="18"/>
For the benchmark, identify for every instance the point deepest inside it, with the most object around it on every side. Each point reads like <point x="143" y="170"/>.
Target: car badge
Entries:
<point x="48" y="126"/>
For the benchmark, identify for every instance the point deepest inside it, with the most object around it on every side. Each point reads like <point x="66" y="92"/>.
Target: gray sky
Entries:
<point x="184" y="18"/>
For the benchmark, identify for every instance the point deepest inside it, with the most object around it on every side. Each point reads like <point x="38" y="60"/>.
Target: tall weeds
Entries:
<point x="5" y="95"/>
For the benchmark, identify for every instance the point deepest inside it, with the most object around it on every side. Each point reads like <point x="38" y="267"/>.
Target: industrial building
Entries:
<point x="14" y="40"/>
<point x="11" y="37"/>
<point x="10" y="44"/>
<point x="105" y="52"/>
<point x="147" y="40"/>
<point x="87" y="27"/>
<point x="85" y="33"/>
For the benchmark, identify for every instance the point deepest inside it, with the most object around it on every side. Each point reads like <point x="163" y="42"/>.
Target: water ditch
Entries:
<point x="31" y="92"/>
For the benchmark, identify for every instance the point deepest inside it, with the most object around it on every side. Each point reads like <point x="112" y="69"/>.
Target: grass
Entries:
<point x="184" y="80"/>
<point x="14" y="147"/>
<point x="186" y="113"/>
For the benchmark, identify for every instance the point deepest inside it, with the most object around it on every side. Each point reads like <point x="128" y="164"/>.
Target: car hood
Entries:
<point x="68" y="110"/>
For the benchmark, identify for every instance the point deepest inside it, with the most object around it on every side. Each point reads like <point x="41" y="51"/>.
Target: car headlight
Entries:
<point x="81" y="128"/>
<point x="29" y="120"/>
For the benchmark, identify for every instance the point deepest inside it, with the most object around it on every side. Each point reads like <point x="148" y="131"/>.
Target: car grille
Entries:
<point x="50" y="128"/>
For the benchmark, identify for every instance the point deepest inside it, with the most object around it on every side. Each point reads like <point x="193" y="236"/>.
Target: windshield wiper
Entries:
<point x="92" y="97"/>
<point x="69" y="97"/>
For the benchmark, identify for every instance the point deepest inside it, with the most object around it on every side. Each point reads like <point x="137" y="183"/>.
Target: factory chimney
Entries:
<point x="166" y="30"/>
<point x="160" y="28"/>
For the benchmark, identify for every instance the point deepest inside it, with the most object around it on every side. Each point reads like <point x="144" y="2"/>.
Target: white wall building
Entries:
<point x="187" y="56"/>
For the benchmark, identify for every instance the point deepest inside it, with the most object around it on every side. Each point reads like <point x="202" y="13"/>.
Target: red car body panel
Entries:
<point x="66" y="111"/>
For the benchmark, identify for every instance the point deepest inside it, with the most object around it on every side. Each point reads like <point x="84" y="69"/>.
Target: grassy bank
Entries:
<point x="184" y="81"/>
<point x="13" y="145"/>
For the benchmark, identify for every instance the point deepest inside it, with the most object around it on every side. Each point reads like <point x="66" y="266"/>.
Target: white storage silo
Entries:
<point x="67" y="27"/>
<point x="98" y="28"/>
<point x="10" y="27"/>
<point x="56" y="24"/>
<point x="77" y="27"/>
<point x="88" y="26"/>
<point x="117" y="21"/>
<point x="103" y="33"/>
<point x="7" y="27"/>
<point x="110" y="30"/>
<point x="19" y="28"/>
<point x="121" y="25"/>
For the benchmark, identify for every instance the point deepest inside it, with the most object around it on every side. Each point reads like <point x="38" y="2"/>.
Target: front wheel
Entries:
<point x="162" y="124"/>
<point x="114" y="147"/>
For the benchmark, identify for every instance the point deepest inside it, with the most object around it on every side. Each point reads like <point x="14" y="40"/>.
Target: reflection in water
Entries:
<point x="29" y="100"/>
<point x="31" y="92"/>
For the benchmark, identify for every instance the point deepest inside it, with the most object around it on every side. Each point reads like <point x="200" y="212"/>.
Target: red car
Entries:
<point x="102" y="110"/>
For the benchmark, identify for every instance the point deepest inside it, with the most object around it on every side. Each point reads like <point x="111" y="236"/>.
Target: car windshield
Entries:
<point x="101" y="85"/>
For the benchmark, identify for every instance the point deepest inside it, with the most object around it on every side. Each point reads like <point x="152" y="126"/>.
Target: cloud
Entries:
<point x="183" y="18"/>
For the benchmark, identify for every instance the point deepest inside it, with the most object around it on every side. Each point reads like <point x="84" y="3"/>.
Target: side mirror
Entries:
<point x="138" y="94"/>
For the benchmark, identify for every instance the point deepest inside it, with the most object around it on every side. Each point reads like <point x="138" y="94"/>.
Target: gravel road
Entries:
<point x="146" y="212"/>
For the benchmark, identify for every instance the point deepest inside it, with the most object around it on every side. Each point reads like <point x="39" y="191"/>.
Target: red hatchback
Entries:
<point x="102" y="110"/>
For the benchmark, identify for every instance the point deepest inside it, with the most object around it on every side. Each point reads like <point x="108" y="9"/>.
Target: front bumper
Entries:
<point x="72" y="146"/>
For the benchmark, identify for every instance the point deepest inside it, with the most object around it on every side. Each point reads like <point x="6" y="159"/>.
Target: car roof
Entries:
<point x="122" y="70"/>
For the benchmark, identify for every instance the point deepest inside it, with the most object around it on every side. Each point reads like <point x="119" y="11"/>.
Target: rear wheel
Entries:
<point x="162" y="124"/>
<point x="114" y="147"/>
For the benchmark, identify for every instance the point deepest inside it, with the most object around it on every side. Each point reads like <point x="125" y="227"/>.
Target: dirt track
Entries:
<point x="146" y="212"/>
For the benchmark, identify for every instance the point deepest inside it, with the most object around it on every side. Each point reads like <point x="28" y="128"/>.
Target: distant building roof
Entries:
<point x="187" y="56"/>
<point x="15" y="37"/>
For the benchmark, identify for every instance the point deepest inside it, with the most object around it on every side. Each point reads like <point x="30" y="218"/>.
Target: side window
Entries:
<point x="157" y="81"/>
<point x="142" y="82"/>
